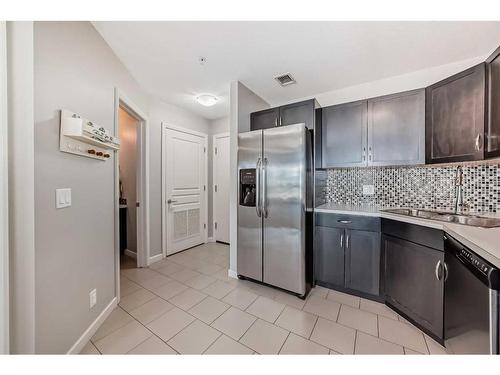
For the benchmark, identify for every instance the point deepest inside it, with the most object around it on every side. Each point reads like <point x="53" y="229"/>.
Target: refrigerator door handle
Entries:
<point x="258" y="168"/>
<point x="264" y="188"/>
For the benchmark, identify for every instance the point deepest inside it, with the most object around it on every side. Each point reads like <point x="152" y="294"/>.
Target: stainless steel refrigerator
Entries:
<point x="275" y="192"/>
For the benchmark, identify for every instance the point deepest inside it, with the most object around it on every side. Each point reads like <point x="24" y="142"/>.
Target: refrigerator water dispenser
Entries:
<point x="247" y="187"/>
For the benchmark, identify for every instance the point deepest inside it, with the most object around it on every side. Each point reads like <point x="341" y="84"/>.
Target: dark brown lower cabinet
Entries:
<point x="362" y="261"/>
<point x="348" y="259"/>
<point x="413" y="283"/>
<point x="329" y="256"/>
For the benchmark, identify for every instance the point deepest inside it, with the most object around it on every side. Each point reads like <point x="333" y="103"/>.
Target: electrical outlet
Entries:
<point x="368" y="189"/>
<point x="93" y="297"/>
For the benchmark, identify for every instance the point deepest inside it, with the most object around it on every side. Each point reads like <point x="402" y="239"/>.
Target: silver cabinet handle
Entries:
<point x="281" y="121"/>
<point x="437" y="269"/>
<point x="478" y="142"/>
<point x="347" y="241"/>
<point x="342" y="240"/>
<point x="171" y="201"/>
<point x="276" y="121"/>
<point x="257" y="187"/>
<point x="264" y="188"/>
<point x="445" y="271"/>
<point x="344" y="221"/>
<point x="364" y="153"/>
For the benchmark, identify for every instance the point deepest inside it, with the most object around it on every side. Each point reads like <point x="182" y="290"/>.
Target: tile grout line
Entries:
<point x="390" y="342"/>
<point x="190" y="324"/>
<point x="426" y="345"/>
<point x="355" y="341"/>
<point x="314" y="326"/>
<point x="283" y="344"/>
<point x="154" y="334"/>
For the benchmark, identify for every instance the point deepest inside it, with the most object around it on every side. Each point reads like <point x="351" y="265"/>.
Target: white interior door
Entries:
<point x="221" y="187"/>
<point x="185" y="173"/>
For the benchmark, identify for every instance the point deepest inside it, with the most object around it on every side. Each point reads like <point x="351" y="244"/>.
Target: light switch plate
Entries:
<point x="63" y="198"/>
<point x="368" y="189"/>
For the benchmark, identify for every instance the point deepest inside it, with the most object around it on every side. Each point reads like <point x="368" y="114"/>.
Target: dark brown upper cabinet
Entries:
<point x="265" y="119"/>
<point x="396" y="129"/>
<point x="298" y="113"/>
<point x="382" y="131"/>
<point x="304" y="112"/>
<point x="456" y="114"/>
<point x="344" y="135"/>
<point x="493" y="125"/>
<point x="295" y="113"/>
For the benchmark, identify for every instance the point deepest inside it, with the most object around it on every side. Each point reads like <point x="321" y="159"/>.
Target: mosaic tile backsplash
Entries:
<point x="423" y="187"/>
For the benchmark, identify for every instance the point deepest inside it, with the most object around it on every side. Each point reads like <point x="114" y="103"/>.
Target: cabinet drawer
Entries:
<point x="425" y="236"/>
<point x="367" y="223"/>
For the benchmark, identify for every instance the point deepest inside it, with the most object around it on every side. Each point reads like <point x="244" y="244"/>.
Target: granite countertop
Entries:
<point x="484" y="241"/>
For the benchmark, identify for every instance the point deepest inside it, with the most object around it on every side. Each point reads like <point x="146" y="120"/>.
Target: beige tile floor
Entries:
<point x="186" y="304"/>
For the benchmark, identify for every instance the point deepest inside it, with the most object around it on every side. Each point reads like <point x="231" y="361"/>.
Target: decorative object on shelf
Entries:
<point x="83" y="137"/>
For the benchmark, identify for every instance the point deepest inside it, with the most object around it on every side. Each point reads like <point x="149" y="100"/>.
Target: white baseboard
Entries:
<point x="89" y="332"/>
<point x="130" y="253"/>
<point x="210" y="239"/>
<point x="155" y="258"/>
<point x="232" y="274"/>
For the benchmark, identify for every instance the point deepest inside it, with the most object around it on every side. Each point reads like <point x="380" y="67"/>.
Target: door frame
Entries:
<point x="164" y="127"/>
<point x="214" y="180"/>
<point x="4" y="199"/>
<point x="143" y="236"/>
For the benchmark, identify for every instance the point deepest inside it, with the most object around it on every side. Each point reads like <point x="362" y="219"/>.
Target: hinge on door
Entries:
<point x="216" y="225"/>
<point x="216" y="188"/>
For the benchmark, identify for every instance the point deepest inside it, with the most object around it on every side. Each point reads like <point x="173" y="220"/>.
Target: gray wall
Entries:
<point x="243" y="101"/>
<point x="75" y="69"/>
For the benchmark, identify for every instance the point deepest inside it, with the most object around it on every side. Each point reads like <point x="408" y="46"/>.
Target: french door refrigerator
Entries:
<point x="275" y="212"/>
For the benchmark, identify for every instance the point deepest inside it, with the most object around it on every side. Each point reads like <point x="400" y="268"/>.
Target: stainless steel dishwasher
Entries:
<point x="471" y="310"/>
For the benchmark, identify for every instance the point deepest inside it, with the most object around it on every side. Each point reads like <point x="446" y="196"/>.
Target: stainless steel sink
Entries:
<point x="450" y="217"/>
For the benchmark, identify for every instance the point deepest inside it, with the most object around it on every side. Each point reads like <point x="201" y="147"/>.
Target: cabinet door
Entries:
<point x="298" y="113"/>
<point x="362" y="263"/>
<point x="493" y="130"/>
<point x="455" y="117"/>
<point x="264" y="119"/>
<point x="411" y="284"/>
<point x="396" y="129"/>
<point x="344" y="135"/>
<point x="329" y="255"/>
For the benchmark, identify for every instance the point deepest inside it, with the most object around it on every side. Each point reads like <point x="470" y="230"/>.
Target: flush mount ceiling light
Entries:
<point x="207" y="100"/>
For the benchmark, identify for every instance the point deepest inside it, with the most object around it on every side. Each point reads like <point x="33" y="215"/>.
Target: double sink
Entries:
<point x="449" y="217"/>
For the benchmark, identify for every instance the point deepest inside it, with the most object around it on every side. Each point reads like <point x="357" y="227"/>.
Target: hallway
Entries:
<point x="186" y="304"/>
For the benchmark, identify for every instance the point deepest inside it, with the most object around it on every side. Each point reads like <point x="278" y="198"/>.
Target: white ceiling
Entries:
<point x="322" y="56"/>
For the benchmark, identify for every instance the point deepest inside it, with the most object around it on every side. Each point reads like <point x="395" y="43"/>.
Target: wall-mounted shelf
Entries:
<point x="83" y="137"/>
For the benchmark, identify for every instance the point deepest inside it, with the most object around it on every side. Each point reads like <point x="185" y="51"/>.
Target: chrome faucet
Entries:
<point x="459" y="191"/>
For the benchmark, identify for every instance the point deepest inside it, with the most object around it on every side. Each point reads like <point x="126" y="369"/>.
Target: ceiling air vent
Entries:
<point x="285" y="79"/>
